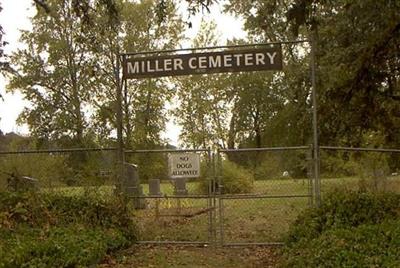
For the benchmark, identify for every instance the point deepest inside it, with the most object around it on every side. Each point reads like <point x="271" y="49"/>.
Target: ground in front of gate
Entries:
<point x="187" y="256"/>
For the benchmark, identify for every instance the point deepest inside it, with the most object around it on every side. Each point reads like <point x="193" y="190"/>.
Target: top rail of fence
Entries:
<point x="57" y="151"/>
<point x="357" y="149"/>
<point x="166" y="151"/>
<point x="265" y="149"/>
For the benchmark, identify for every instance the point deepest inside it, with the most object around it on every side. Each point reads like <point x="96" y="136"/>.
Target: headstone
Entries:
<point x="132" y="187"/>
<point x="154" y="187"/>
<point x="379" y="179"/>
<point x="21" y="183"/>
<point x="180" y="186"/>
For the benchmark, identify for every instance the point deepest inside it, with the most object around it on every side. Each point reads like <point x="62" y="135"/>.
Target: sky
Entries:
<point x="15" y="16"/>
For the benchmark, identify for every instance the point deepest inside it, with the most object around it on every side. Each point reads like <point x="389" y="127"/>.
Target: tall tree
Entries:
<point x="55" y="74"/>
<point x="202" y="109"/>
<point x="359" y="66"/>
<point x="69" y="70"/>
<point x="144" y="101"/>
<point x="358" y="58"/>
<point x="3" y="63"/>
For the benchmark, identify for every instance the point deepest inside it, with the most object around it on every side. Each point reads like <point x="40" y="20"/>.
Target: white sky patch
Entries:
<point x="10" y="109"/>
<point x="15" y="16"/>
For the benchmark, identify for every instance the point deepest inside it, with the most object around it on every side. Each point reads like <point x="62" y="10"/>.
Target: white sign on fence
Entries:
<point x="184" y="165"/>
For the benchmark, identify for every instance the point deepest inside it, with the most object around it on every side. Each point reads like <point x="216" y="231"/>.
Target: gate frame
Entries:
<point x="222" y="197"/>
<point x="122" y="83"/>
<point x="210" y="197"/>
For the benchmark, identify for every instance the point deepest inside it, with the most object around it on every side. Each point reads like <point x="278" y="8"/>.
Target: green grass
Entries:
<point x="391" y="183"/>
<point x="260" y="220"/>
<point x="243" y="220"/>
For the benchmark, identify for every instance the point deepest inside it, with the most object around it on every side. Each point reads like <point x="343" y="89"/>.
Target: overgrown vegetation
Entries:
<point x="235" y="180"/>
<point x="48" y="230"/>
<point x="350" y="229"/>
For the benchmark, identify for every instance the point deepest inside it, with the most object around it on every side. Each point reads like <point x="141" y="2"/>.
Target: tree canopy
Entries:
<point x="68" y="73"/>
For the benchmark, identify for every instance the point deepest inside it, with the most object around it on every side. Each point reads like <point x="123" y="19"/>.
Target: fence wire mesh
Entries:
<point x="175" y="219"/>
<point x="262" y="192"/>
<point x="69" y="171"/>
<point x="365" y="169"/>
<point x="258" y="220"/>
<point x="173" y="210"/>
<point x="242" y="196"/>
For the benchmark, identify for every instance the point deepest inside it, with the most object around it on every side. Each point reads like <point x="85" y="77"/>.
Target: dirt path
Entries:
<point x="184" y="256"/>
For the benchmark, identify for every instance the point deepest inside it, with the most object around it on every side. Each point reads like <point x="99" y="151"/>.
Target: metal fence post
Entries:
<point x="315" y="122"/>
<point x="119" y="113"/>
<point x="310" y="175"/>
<point x="218" y="193"/>
<point x="221" y="220"/>
<point x="210" y="203"/>
<point x="214" y="200"/>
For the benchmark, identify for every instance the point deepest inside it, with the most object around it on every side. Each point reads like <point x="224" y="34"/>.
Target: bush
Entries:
<point x="38" y="210"/>
<point x="59" y="246"/>
<point x="371" y="245"/>
<point x="47" y="169"/>
<point x="234" y="179"/>
<point x="47" y="230"/>
<point x="350" y="229"/>
<point x="268" y="168"/>
<point x="338" y="164"/>
<point x="345" y="209"/>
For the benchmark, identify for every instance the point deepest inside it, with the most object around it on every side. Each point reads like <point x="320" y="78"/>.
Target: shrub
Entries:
<point x="343" y="209"/>
<point x="38" y="210"/>
<point x="59" y="246"/>
<point x="48" y="230"/>
<point x="350" y="229"/>
<point x="338" y="164"/>
<point x="371" y="245"/>
<point x="268" y="168"/>
<point x="234" y="179"/>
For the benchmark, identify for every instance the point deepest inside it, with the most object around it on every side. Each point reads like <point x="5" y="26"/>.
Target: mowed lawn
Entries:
<point x="264" y="217"/>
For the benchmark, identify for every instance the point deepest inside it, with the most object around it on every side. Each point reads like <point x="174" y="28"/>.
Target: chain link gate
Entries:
<point x="207" y="211"/>
<point x="282" y="187"/>
<point x="211" y="210"/>
<point x="217" y="197"/>
<point x="172" y="211"/>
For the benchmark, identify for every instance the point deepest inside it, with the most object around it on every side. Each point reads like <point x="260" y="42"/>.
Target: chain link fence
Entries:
<point x="173" y="210"/>
<point x="242" y="196"/>
<point x="261" y="192"/>
<point x="364" y="169"/>
<point x="73" y="171"/>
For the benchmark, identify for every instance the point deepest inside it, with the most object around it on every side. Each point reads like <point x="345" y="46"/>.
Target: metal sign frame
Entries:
<point x="122" y="81"/>
<point x="238" y="60"/>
